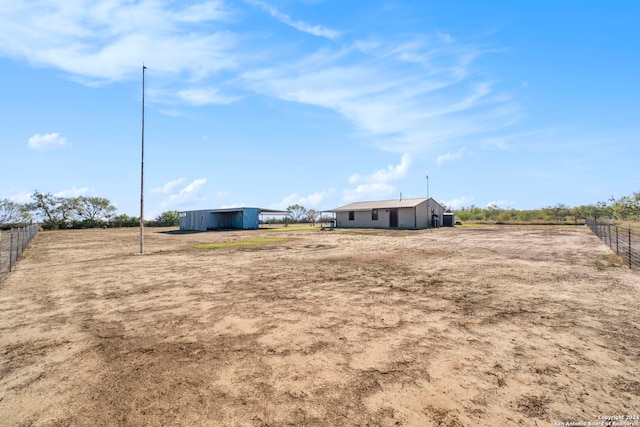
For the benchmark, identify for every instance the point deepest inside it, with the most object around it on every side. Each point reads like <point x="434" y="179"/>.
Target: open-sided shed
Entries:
<point x="241" y="218"/>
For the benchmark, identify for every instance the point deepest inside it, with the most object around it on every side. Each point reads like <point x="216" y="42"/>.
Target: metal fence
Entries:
<point x="623" y="240"/>
<point x="12" y="244"/>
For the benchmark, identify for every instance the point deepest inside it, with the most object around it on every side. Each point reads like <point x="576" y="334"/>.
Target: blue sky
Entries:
<point x="274" y="102"/>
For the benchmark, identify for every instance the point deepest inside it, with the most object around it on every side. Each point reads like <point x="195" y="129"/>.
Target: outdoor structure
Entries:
<point x="403" y="213"/>
<point x="449" y="219"/>
<point x="241" y="218"/>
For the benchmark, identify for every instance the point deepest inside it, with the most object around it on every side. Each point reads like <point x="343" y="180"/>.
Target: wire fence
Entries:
<point x="623" y="240"/>
<point x="12" y="244"/>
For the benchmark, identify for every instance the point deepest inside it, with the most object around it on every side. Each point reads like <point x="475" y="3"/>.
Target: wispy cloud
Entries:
<point x="311" y="201"/>
<point x="459" y="202"/>
<point x="450" y="156"/>
<point x="316" y="30"/>
<point x="410" y="96"/>
<point x="375" y="190"/>
<point x="391" y="173"/>
<point x="405" y="94"/>
<point x="182" y="196"/>
<point x="74" y="192"/>
<point x="377" y="184"/>
<point x="18" y="197"/>
<point x="48" y="141"/>
<point x="205" y="96"/>
<point x="169" y="187"/>
<point x="107" y="41"/>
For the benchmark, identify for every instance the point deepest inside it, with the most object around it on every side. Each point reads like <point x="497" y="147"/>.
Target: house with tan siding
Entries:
<point x="404" y="213"/>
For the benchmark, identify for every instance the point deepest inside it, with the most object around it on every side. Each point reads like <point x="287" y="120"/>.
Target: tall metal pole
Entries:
<point x="142" y="172"/>
<point x="428" y="205"/>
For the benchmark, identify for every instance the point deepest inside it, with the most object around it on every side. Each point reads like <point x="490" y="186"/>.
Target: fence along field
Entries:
<point x="511" y="325"/>
<point x="12" y="245"/>
<point x="623" y="240"/>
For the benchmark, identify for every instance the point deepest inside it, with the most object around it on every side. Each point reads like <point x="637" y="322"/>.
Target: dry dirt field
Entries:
<point x="472" y="326"/>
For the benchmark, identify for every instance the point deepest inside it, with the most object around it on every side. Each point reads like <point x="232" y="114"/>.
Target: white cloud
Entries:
<point x="47" y="141"/>
<point x="74" y="192"/>
<point x="377" y="190"/>
<point x="316" y="30"/>
<point x="391" y="173"/>
<point x="310" y="201"/>
<point x="169" y="187"/>
<point x="207" y="11"/>
<point x="459" y="202"/>
<point x="377" y="185"/>
<point x="21" y="197"/>
<point x="188" y="194"/>
<point x="404" y="95"/>
<point x="410" y="96"/>
<point x="450" y="156"/>
<point x="205" y="96"/>
<point x="108" y="41"/>
<point x="180" y="195"/>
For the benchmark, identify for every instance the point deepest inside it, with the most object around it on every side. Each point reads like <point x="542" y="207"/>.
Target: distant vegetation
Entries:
<point x="625" y="208"/>
<point x="54" y="212"/>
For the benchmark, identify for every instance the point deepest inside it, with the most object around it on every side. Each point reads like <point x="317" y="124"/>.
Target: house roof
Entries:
<point x="381" y="204"/>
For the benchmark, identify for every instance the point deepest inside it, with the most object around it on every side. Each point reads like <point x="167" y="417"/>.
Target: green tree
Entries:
<point x="167" y="219"/>
<point x="53" y="210"/>
<point x="124" y="220"/>
<point x="13" y="213"/>
<point x="492" y="212"/>
<point x="312" y="215"/>
<point x="61" y="212"/>
<point x="559" y="211"/>
<point x="298" y="212"/>
<point x="503" y="217"/>
<point x="524" y="216"/>
<point x="464" y="214"/>
<point x="627" y="207"/>
<point x="602" y="210"/>
<point x="93" y="208"/>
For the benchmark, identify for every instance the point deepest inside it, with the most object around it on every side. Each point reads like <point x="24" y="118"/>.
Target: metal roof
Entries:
<point x="273" y="212"/>
<point x="263" y="211"/>
<point x="381" y="204"/>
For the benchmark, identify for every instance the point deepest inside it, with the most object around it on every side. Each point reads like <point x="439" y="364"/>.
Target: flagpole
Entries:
<point x="428" y="205"/>
<point x="142" y="172"/>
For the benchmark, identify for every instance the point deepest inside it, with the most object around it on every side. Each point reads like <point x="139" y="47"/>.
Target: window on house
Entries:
<point x="374" y="215"/>
<point x="351" y="215"/>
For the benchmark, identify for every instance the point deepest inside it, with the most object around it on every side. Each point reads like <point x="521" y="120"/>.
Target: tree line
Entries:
<point x="56" y="212"/>
<point x="626" y="208"/>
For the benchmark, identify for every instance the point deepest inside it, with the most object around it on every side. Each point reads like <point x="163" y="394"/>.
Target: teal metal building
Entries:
<point x="241" y="218"/>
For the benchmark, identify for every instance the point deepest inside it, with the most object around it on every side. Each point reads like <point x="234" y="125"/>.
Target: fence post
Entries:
<point x="18" y="246"/>
<point x="629" y="246"/>
<point x="11" y="249"/>
<point x="617" y="242"/>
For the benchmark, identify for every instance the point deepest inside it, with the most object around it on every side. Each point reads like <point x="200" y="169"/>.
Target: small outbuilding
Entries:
<point x="241" y="218"/>
<point x="449" y="219"/>
<point x="404" y="213"/>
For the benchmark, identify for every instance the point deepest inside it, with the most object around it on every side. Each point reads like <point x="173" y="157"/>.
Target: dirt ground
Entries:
<point x="471" y="326"/>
